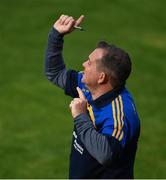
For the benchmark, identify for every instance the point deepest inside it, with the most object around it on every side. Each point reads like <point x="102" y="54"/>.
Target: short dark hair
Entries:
<point x="116" y="63"/>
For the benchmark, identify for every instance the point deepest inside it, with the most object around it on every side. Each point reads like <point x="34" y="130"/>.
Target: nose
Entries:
<point x="84" y="64"/>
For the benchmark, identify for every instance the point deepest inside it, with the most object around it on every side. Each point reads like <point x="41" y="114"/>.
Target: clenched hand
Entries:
<point x="65" y="24"/>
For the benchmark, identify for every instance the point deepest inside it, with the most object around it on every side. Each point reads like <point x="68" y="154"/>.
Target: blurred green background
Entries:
<point x="35" y="121"/>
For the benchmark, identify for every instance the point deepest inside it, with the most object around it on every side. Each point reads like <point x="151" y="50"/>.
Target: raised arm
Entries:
<point x="55" y="69"/>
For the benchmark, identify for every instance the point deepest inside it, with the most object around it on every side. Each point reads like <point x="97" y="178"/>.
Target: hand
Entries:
<point x="65" y="24"/>
<point x="78" y="105"/>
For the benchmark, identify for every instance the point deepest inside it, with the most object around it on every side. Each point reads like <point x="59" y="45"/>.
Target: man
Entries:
<point x="106" y="124"/>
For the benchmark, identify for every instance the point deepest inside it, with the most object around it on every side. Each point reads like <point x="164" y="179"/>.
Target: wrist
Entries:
<point x="56" y="31"/>
<point x="82" y="116"/>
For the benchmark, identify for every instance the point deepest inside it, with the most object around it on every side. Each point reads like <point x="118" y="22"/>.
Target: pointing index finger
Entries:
<point x="80" y="93"/>
<point x="79" y="20"/>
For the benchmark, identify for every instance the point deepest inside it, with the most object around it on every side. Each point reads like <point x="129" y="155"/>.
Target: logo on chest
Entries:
<point x="76" y="145"/>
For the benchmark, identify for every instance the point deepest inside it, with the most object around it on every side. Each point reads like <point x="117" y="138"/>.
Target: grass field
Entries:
<point x="35" y="121"/>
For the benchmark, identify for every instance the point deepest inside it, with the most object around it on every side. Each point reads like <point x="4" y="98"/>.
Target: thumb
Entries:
<point x="80" y="93"/>
<point x="79" y="20"/>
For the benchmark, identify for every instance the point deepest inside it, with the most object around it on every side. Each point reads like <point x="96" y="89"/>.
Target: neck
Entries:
<point x="99" y="91"/>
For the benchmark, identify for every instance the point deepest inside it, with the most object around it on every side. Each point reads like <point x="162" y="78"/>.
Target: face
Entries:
<point x="91" y="74"/>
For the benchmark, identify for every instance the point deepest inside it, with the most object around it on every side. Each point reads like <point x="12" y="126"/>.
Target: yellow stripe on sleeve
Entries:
<point x="122" y="117"/>
<point x="121" y="136"/>
<point x="114" y="116"/>
<point x="118" y="117"/>
<point x="122" y="113"/>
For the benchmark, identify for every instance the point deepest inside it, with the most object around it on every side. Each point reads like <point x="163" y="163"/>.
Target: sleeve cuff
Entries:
<point x="55" y="35"/>
<point x="84" y="117"/>
<point x="56" y="32"/>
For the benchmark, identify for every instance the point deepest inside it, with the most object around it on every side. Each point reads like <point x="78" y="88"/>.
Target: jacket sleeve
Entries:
<point x="103" y="148"/>
<point x="55" y="69"/>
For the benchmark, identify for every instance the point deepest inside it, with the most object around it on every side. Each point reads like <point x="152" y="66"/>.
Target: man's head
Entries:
<point x="107" y="64"/>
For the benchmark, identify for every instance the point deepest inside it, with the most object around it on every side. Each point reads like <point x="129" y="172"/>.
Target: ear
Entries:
<point x="102" y="78"/>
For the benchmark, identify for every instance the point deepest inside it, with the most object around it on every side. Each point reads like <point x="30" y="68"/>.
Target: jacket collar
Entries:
<point x="107" y="97"/>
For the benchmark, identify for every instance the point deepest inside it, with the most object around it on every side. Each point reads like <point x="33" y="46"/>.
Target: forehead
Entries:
<point x="98" y="53"/>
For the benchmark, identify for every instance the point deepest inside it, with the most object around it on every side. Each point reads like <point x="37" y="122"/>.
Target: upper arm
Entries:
<point x="104" y="148"/>
<point x="71" y="83"/>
